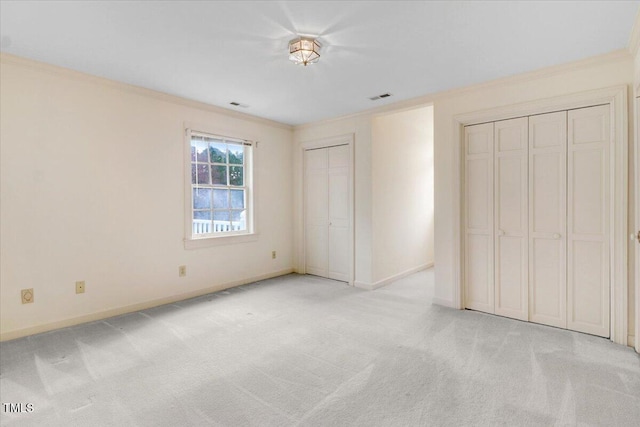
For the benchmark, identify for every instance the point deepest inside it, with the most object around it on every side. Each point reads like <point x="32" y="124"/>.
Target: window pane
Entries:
<point x="201" y="215"/>
<point x="194" y="173"/>
<point x="219" y="175"/>
<point x="202" y="222"/>
<point x="221" y="221"/>
<point x="221" y="199"/>
<point x="202" y="198"/>
<point x="236" y="175"/>
<point x="239" y="220"/>
<point x="237" y="199"/>
<point x="199" y="149"/>
<point x="203" y="174"/>
<point x="218" y="151"/>
<point x="236" y="154"/>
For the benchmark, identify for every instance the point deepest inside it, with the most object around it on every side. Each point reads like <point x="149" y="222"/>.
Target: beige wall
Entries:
<point x="402" y="200"/>
<point x="92" y="189"/>
<point x="606" y="71"/>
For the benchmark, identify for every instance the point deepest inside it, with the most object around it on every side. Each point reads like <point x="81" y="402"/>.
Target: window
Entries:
<point x="220" y="202"/>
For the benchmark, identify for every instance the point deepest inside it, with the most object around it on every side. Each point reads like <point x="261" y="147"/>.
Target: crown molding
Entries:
<point x="421" y="101"/>
<point x="6" y="58"/>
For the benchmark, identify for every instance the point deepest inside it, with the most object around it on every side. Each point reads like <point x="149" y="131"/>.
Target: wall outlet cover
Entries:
<point x="27" y="295"/>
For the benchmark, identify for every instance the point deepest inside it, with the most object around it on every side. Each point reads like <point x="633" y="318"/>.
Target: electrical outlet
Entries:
<point x="27" y="296"/>
<point x="273" y="254"/>
<point x="80" y="287"/>
<point x="182" y="270"/>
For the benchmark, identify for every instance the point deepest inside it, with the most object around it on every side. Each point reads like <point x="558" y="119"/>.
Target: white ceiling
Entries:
<point x="218" y="52"/>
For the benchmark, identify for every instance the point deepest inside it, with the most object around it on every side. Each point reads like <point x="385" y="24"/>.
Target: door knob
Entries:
<point x="638" y="236"/>
<point x="556" y="236"/>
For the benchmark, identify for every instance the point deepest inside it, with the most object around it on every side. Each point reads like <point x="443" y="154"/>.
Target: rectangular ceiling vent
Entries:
<point x="384" y="95"/>
<point x="237" y="104"/>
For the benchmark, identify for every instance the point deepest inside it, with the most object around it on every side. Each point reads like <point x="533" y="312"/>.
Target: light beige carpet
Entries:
<point x="301" y="350"/>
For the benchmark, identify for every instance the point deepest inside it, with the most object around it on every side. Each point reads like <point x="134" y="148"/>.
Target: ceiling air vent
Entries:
<point x="237" y="104"/>
<point x="384" y="95"/>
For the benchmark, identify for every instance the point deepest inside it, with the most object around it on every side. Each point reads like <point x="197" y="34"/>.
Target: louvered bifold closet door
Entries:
<point x="478" y="200"/>
<point x="511" y="218"/>
<point x="547" y="219"/>
<point x="588" y="220"/>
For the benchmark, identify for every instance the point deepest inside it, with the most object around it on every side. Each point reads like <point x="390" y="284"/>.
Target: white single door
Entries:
<point x="339" y="161"/>
<point x="316" y="195"/>
<point x="547" y="219"/>
<point x="510" y="218"/>
<point x="478" y="200"/>
<point x="588" y="220"/>
<point x="327" y="225"/>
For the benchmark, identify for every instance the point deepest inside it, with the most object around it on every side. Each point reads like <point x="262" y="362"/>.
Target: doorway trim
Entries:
<point x="616" y="98"/>
<point x="346" y="139"/>
<point x="636" y="228"/>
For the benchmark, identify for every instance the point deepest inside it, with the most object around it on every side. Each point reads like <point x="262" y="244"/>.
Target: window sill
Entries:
<point x="206" y="242"/>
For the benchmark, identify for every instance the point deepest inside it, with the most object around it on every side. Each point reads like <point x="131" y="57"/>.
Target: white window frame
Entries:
<point x="194" y="241"/>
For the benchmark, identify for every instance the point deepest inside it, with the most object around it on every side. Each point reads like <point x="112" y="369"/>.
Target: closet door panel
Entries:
<point x="547" y="224"/>
<point x="478" y="200"/>
<point x="316" y="212"/>
<point x="511" y="218"/>
<point x="588" y="216"/>
<point x="479" y="180"/>
<point x="338" y="264"/>
<point x="510" y="287"/>
<point x="548" y="303"/>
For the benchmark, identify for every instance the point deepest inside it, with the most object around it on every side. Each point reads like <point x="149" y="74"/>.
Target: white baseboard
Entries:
<point x="363" y="285"/>
<point x="19" y="333"/>
<point x="442" y="302"/>
<point x="384" y="282"/>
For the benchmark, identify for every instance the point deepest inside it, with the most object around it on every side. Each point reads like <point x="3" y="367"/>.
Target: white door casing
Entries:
<point x="479" y="231"/>
<point x="547" y="213"/>
<point x="636" y="231"/>
<point x="511" y="217"/>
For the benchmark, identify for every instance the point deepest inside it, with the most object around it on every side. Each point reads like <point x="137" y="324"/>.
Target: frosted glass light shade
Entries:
<point x="304" y="50"/>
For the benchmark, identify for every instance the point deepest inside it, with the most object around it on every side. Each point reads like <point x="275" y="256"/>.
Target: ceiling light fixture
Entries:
<point x="304" y="50"/>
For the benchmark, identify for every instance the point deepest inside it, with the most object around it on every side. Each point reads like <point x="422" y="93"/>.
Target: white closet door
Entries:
<point x="547" y="224"/>
<point x="339" y="161"/>
<point x="316" y="164"/>
<point x="588" y="220"/>
<point x="479" y="267"/>
<point x="511" y="218"/>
